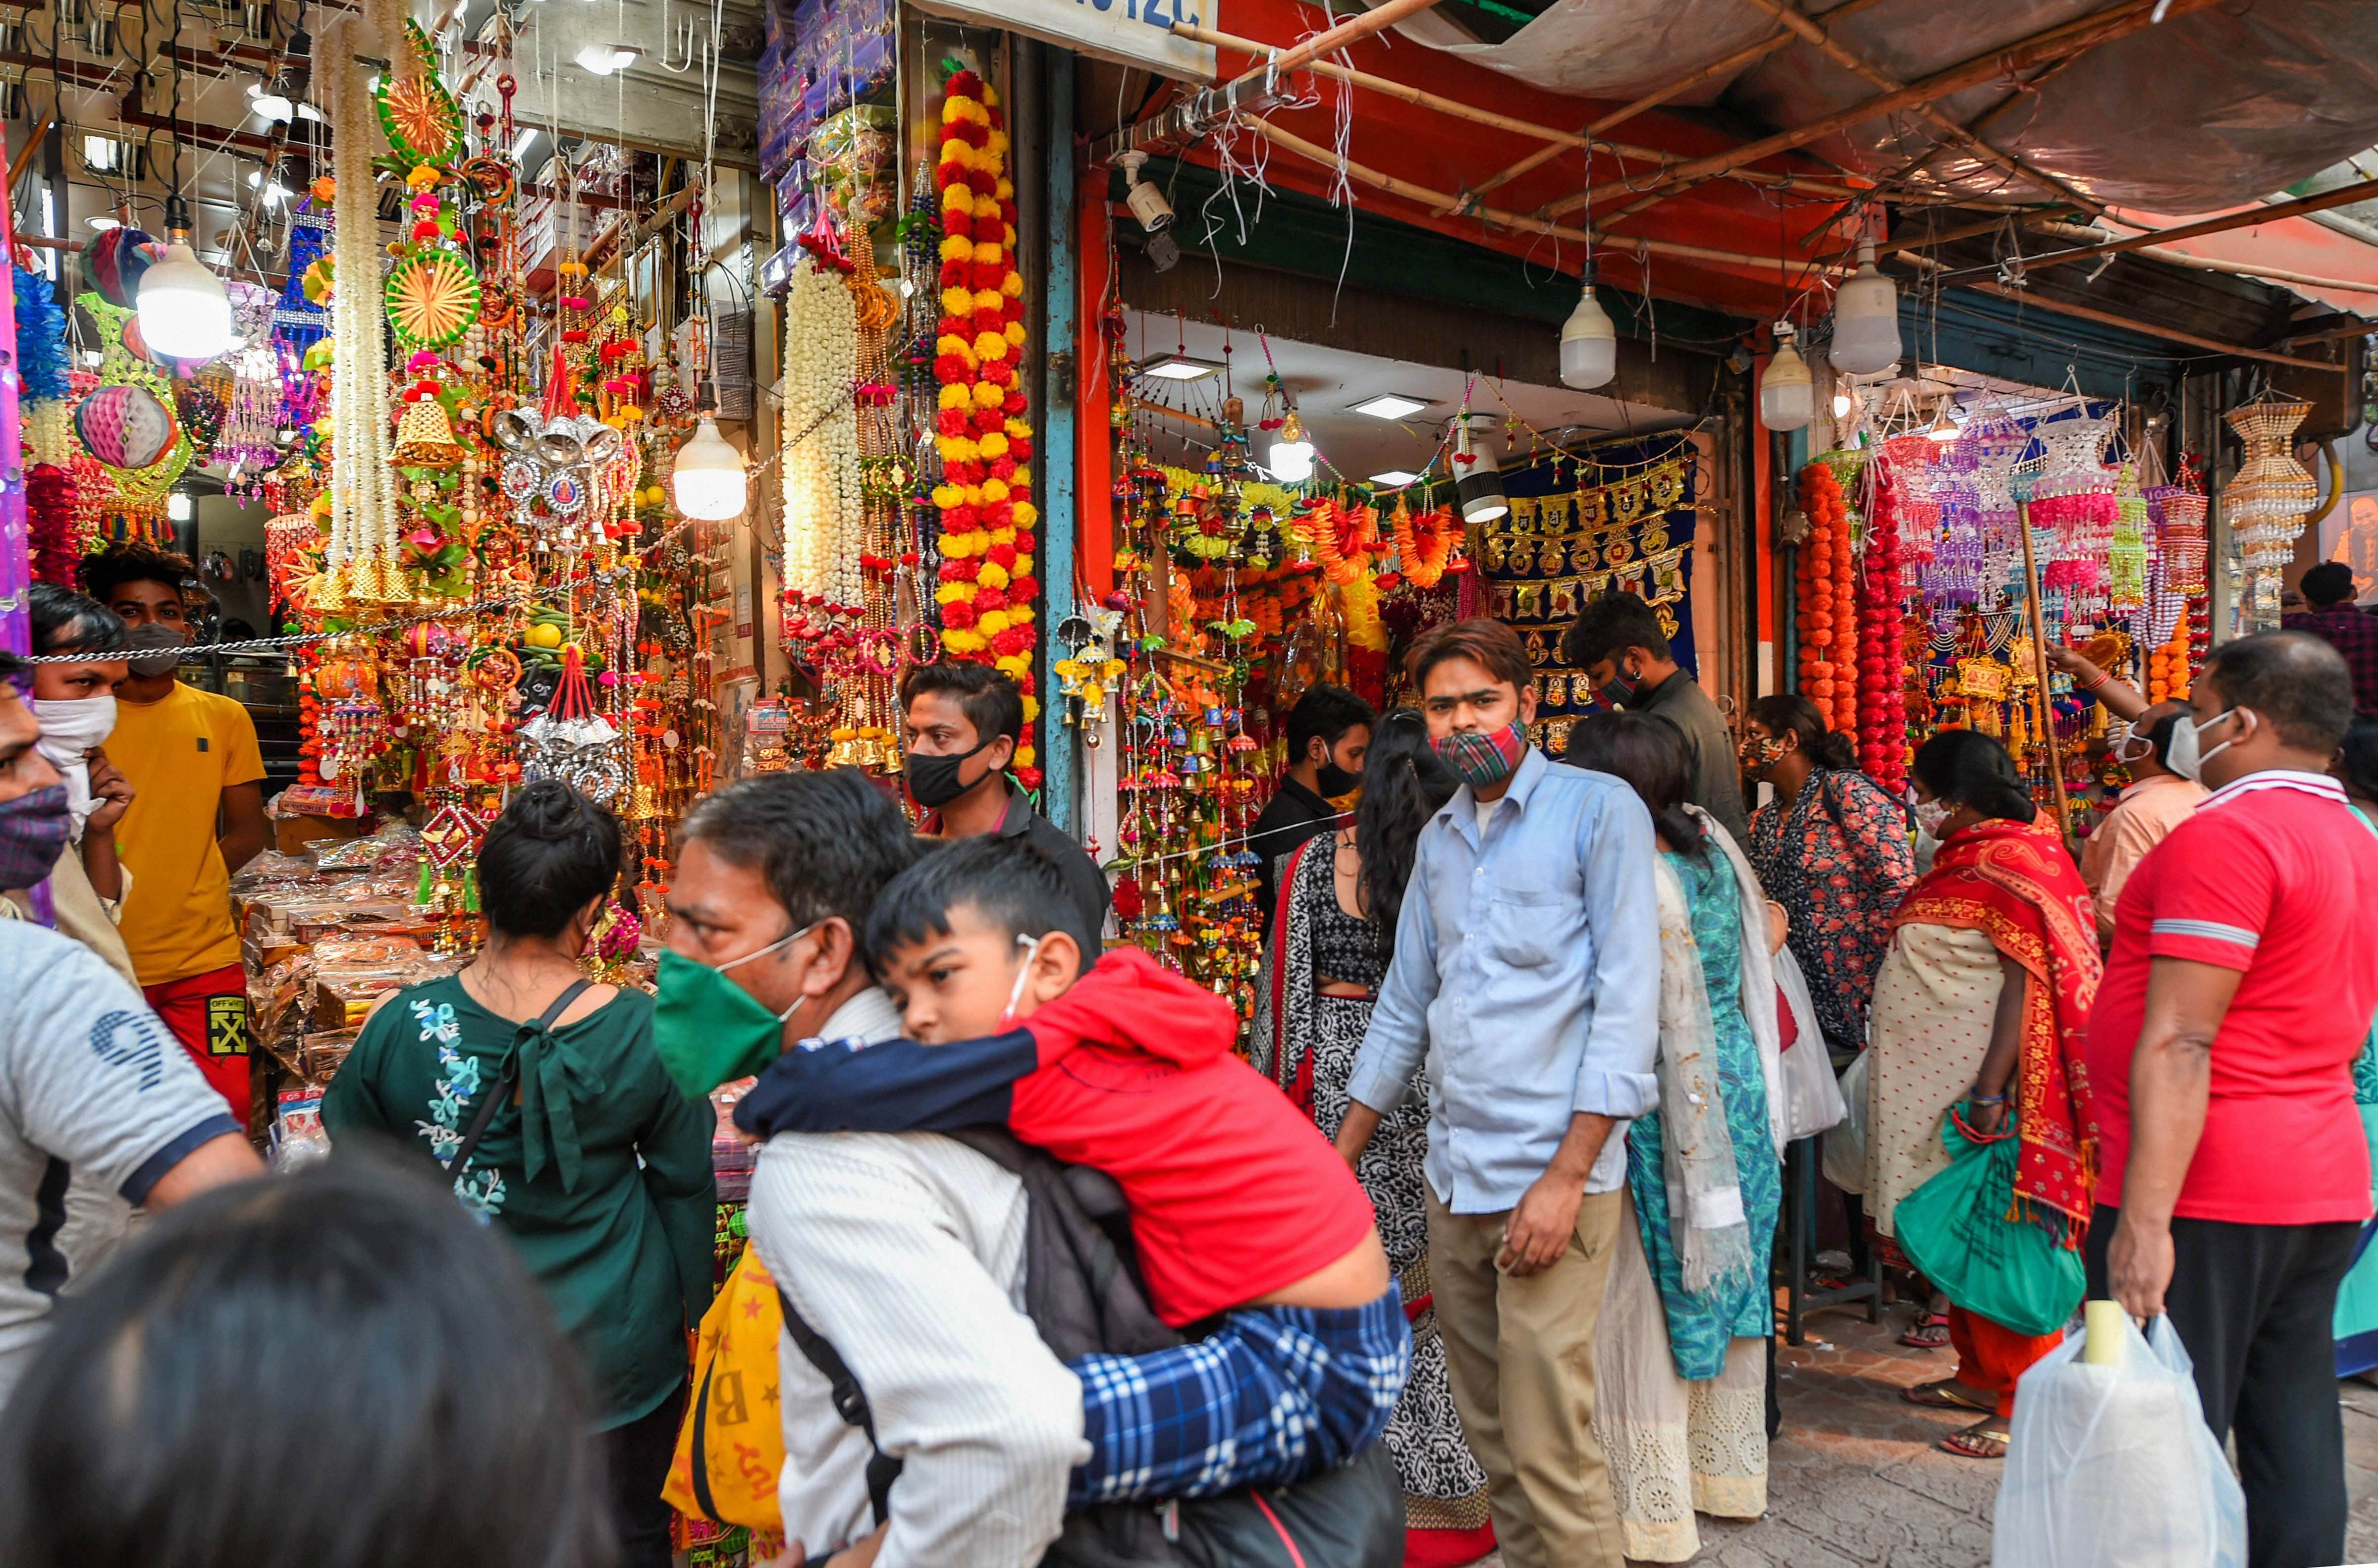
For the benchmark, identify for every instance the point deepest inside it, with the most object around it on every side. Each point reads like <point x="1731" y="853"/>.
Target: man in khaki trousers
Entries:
<point x="1526" y="986"/>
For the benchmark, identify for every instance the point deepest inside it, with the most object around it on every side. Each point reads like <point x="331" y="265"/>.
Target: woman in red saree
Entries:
<point x="1980" y="1009"/>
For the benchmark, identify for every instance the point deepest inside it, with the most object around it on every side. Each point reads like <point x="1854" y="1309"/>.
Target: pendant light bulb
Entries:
<point x="1866" y="320"/>
<point x="1944" y="429"/>
<point x="1589" y="343"/>
<point x="1477" y="480"/>
<point x="183" y="311"/>
<point x="1787" y="394"/>
<point x="1290" y="461"/>
<point x="709" y="475"/>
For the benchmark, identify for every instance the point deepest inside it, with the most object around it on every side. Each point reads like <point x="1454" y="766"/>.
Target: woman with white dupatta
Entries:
<point x="1682" y="1355"/>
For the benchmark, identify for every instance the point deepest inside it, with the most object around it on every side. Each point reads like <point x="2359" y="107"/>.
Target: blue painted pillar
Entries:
<point x="1060" y="763"/>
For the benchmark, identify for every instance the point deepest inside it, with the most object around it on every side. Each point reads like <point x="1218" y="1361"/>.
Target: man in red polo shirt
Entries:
<point x="2234" y="1172"/>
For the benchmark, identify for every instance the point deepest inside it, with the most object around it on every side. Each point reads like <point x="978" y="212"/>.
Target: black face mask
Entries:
<point x="1331" y="781"/>
<point x="933" y="781"/>
<point x="1620" y="690"/>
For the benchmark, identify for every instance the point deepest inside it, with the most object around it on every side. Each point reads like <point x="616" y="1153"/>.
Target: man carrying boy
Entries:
<point x="1246" y="1226"/>
<point x="1527" y="970"/>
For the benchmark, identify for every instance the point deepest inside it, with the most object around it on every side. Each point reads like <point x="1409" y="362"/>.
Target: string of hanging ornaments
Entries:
<point x="824" y="513"/>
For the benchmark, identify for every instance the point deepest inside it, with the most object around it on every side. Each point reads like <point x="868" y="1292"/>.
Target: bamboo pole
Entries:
<point x="1716" y="70"/>
<point x="1850" y="60"/>
<point x="2039" y="49"/>
<point x="1377" y="19"/>
<point x="1422" y="98"/>
<point x="2170" y="334"/>
<point x="1327" y="158"/>
<point x="2040" y="665"/>
<point x="2343" y="196"/>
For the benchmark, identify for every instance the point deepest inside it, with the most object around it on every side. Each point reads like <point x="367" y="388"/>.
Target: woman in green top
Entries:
<point x="591" y="1161"/>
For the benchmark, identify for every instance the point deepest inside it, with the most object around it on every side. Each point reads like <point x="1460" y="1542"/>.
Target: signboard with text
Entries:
<point x="1133" y="32"/>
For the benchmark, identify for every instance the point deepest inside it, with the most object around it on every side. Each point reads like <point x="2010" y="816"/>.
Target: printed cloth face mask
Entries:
<point x="34" y="829"/>
<point x="1483" y="759"/>
<point x="1930" y="814"/>
<point x="708" y="1029"/>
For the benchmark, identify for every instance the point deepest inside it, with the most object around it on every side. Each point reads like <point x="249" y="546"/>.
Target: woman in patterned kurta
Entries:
<point x="1680" y="1375"/>
<point x="1832" y="849"/>
<point x="1312" y="1011"/>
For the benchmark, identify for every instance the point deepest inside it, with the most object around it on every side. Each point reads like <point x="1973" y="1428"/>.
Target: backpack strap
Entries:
<point x="461" y="1162"/>
<point x="849" y="1403"/>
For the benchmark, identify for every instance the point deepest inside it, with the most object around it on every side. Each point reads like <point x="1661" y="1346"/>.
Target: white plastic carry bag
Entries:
<point x="2113" y="1466"/>
<point x="1812" y="1100"/>
<point x="1844" y="1143"/>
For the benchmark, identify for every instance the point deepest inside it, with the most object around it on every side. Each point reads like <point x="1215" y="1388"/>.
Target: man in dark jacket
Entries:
<point x="1618" y="642"/>
<point x="1328" y="734"/>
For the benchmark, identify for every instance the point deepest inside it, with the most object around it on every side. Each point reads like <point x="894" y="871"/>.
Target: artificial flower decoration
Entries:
<point x="987" y="588"/>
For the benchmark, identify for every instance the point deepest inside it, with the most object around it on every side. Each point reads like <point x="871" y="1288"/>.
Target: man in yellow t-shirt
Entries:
<point x="197" y="816"/>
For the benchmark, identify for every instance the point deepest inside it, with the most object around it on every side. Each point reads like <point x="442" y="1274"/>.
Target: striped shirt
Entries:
<point x="2275" y="877"/>
<point x="906" y="1250"/>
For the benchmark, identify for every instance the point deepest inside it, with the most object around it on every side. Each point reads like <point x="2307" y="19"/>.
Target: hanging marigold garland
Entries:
<point x="1424" y="543"/>
<point x="1882" y="697"/>
<point x="987" y="588"/>
<point x="1828" y="675"/>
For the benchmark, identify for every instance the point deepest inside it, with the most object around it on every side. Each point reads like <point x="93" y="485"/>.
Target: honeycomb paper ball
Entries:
<point x="125" y="426"/>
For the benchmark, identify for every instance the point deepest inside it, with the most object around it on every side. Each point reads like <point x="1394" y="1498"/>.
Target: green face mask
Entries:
<point x="708" y="1029"/>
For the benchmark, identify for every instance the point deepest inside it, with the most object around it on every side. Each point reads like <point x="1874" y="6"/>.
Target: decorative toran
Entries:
<point x="986" y="589"/>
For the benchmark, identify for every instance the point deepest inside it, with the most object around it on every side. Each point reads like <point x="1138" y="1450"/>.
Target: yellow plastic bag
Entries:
<point x="732" y="1445"/>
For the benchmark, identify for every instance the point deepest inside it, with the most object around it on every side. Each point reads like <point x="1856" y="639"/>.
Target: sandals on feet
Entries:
<point x="1984" y="1440"/>
<point x="1947" y="1395"/>
<point x="1931" y="1332"/>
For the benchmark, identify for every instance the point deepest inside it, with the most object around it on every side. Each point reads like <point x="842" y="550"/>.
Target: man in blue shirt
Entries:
<point x="1527" y="975"/>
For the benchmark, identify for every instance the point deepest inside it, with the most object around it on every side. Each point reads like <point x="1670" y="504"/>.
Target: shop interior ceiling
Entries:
<point x="1693" y="194"/>
<point x="2204" y="110"/>
<point x="106" y="74"/>
<point x="1327" y="382"/>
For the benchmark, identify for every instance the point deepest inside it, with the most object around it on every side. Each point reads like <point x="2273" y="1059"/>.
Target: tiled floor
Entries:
<point x="1854" y="1479"/>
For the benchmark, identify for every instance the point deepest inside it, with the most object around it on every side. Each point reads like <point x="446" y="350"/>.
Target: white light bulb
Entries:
<point x="1843" y="403"/>
<point x="1787" y="397"/>
<point x="183" y="311"/>
<point x="709" y="475"/>
<point x="177" y="505"/>
<point x="1588" y="345"/>
<point x="1866" y="320"/>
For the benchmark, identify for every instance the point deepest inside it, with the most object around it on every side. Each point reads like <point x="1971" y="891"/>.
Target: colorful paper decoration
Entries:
<point x="432" y="297"/>
<point x="125" y="426"/>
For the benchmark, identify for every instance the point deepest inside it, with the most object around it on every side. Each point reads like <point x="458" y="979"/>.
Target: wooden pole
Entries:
<point x="1821" y="37"/>
<point x="1716" y="70"/>
<point x="2343" y="196"/>
<point x="1377" y="19"/>
<point x="2040" y="49"/>
<point x="1328" y="159"/>
<point x="1421" y="96"/>
<point x="2149" y="328"/>
<point x="2039" y="665"/>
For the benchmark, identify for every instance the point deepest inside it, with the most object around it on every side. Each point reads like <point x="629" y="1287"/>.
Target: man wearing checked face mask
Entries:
<point x="964" y="728"/>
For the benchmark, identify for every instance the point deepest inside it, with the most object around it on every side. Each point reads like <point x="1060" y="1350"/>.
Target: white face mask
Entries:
<point x="1031" y="946"/>
<point x="69" y="728"/>
<point x="2182" y="757"/>
<point x="1930" y="815"/>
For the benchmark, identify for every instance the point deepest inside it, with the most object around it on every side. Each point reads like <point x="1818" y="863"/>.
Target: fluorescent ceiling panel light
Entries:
<point x="1389" y="405"/>
<point x="1394" y="479"/>
<point x="1178" y="367"/>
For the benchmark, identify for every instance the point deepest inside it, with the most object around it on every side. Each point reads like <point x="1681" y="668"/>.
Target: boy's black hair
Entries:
<point x="67" y="622"/>
<point x="827" y="843"/>
<point x="1007" y="882"/>
<point x="1609" y="626"/>
<point x="2327" y="584"/>
<point x="989" y="701"/>
<point x="1326" y="713"/>
<point x="102" y="575"/>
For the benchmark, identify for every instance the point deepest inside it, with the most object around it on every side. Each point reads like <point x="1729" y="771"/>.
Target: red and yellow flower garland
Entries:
<point x="987" y="588"/>
<point x="1827" y="615"/>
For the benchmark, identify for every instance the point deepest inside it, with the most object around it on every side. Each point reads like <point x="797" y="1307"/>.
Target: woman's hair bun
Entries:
<point x="549" y="809"/>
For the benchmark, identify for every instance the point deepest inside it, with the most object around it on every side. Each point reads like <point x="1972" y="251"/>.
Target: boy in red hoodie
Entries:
<point x="1249" y="1227"/>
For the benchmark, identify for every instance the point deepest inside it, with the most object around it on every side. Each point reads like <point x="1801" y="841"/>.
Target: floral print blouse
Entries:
<point x="1837" y="860"/>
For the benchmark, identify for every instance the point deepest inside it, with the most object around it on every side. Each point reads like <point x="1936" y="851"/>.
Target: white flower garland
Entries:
<point x="360" y="556"/>
<point x="824" y="517"/>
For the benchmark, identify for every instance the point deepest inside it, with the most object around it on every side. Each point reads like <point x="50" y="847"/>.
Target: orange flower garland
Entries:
<point x="987" y="588"/>
<point x="1423" y="545"/>
<point x="1823" y="575"/>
